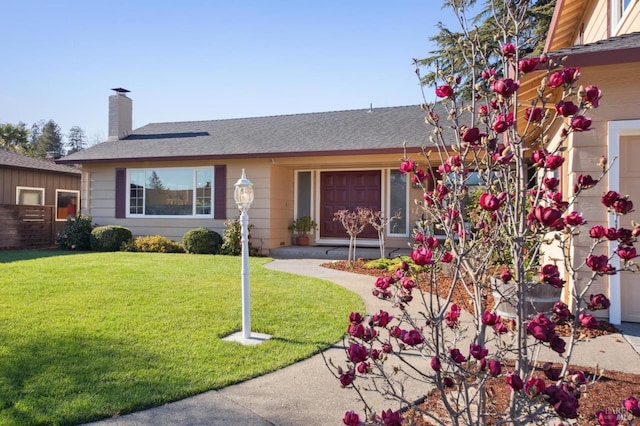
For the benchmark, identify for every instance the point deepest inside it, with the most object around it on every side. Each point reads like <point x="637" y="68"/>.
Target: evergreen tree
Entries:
<point x="14" y="138"/>
<point x="49" y="141"/>
<point x="76" y="140"/>
<point x="155" y="182"/>
<point x="491" y="23"/>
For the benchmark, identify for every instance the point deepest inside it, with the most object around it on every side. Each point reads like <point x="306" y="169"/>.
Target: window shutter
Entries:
<point x="220" y="193"/>
<point x="121" y="193"/>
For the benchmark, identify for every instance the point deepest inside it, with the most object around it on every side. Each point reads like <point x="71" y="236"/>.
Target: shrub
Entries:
<point x="232" y="239"/>
<point x="76" y="234"/>
<point x="202" y="241"/>
<point x="153" y="244"/>
<point x="109" y="238"/>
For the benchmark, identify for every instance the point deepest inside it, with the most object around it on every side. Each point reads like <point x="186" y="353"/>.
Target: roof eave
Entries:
<point x="368" y="151"/>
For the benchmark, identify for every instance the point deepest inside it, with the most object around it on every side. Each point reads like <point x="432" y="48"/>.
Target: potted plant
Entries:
<point x="302" y="226"/>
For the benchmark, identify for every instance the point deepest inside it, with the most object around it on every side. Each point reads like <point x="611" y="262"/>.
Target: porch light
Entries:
<point x="243" y="193"/>
<point x="243" y="196"/>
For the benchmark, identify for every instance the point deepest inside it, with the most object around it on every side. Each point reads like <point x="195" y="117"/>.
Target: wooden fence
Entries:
<point x="26" y="226"/>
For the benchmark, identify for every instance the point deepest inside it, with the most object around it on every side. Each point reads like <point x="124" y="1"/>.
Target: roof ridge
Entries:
<point x="278" y="115"/>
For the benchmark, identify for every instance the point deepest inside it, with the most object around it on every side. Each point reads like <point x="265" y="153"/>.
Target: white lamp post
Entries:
<point x="243" y="196"/>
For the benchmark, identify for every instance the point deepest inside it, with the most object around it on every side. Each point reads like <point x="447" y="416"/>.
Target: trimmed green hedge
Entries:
<point x="109" y="237"/>
<point x="202" y="241"/>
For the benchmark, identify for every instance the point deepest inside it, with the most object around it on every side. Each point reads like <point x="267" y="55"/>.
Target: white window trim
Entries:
<point x="387" y="182"/>
<point x="614" y="131"/>
<point x="618" y="16"/>
<point x="29" y="188"/>
<point x="193" y="215"/>
<point x="77" y="204"/>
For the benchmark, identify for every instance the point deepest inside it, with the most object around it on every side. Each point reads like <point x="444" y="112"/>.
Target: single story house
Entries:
<point x="36" y="197"/>
<point x="167" y="178"/>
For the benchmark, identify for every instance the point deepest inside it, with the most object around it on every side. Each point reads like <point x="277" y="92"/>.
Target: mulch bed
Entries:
<point x="604" y="393"/>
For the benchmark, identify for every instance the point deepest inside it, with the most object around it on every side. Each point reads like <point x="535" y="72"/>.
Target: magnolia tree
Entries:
<point x="354" y="222"/>
<point x="492" y="236"/>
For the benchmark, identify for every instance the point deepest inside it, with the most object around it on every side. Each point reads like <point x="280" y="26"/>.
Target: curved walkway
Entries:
<point x="307" y="394"/>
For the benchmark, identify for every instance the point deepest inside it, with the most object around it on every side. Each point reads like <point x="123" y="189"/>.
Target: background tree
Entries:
<point x="49" y="141"/>
<point x="76" y="140"/>
<point x="14" y="138"/>
<point x="454" y="49"/>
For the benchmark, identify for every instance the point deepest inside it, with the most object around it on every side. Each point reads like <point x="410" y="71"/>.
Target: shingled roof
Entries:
<point x="12" y="159"/>
<point x="620" y="49"/>
<point x="363" y="131"/>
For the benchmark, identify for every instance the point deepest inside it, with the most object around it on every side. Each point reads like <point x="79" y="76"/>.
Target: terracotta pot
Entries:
<point x="302" y="240"/>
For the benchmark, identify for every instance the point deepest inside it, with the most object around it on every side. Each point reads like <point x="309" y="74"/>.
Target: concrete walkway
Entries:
<point x="307" y="394"/>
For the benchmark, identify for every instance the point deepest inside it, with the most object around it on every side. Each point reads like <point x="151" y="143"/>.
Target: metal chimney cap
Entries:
<point x="121" y="90"/>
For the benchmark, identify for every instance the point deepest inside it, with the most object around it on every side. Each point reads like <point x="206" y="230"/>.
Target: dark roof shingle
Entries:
<point x="12" y="159"/>
<point x="378" y="129"/>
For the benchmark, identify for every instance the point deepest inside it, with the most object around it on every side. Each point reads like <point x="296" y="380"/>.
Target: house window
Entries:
<point x="303" y="194"/>
<point x="66" y="204"/>
<point x="618" y="10"/>
<point x="398" y="200"/>
<point x="170" y="192"/>
<point x="29" y="196"/>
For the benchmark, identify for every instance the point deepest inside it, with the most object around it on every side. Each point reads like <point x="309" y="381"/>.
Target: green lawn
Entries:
<point x="90" y="335"/>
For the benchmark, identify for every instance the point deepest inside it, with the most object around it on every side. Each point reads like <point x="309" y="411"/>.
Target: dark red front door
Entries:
<point x="348" y="190"/>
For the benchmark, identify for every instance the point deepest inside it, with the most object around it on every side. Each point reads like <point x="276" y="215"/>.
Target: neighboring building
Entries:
<point x="602" y="38"/>
<point x="167" y="178"/>
<point x="27" y="181"/>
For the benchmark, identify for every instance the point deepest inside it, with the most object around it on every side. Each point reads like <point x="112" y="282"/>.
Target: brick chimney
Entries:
<point x="120" y="115"/>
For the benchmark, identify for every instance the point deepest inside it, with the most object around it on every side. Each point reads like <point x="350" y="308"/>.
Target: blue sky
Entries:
<point x="203" y="60"/>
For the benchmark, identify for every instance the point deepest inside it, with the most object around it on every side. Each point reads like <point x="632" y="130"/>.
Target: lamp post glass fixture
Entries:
<point x="243" y="196"/>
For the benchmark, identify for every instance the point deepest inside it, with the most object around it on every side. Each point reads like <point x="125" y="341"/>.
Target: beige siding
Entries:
<point x="595" y="23"/>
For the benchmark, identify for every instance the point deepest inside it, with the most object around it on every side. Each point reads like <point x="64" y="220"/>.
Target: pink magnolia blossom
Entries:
<point x="580" y="123"/>
<point x="506" y="276"/>
<point x="551" y="183"/>
<point x="566" y="108"/>
<point x="563" y="401"/>
<point x="534" y="386"/>
<point x="592" y="95"/>
<point x="588" y="321"/>
<point x="505" y="87"/>
<point x="357" y="353"/>
<point x="632" y="405"/>
<point x="456" y="355"/>
<point x="435" y="363"/>
<point x="346" y="378"/>
<point x="514" y="381"/>
<point x="508" y="50"/>
<point x="489" y="202"/>
<point x="626" y="253"/>
<point x="444" y="91"/>
<point x="596" y="231"/>
<point x="421" y="256"/>
<point x="598" y="301"/>
<point x="391" y="418"/>
<point x="478" y="351"/>
<point x="600" y="264"/>
<point x="527" y="65"/>
<point x="407" y="166"/>
<point x="622" y="206"/>
<point x="609" y="198"/>
<point x="411" y="337"/>
<point x="574" y="219"/>
<point x="534" y="115"/>
<point x="490" y="318"/>
<point x="607" y="417"/>
<point x="495" y="368"/>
